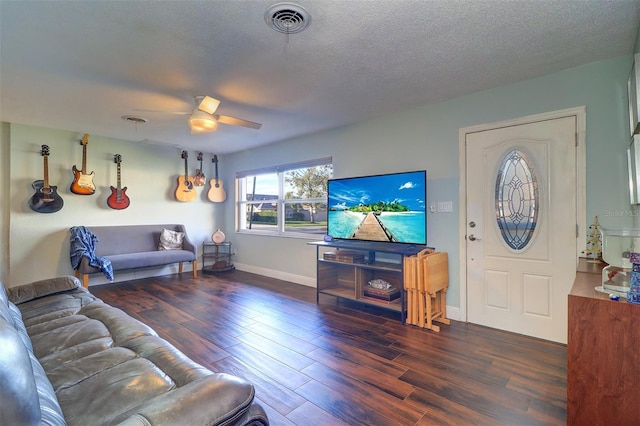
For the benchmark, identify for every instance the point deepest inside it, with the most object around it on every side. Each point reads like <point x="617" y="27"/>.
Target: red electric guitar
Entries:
<point x="118" y="199"/>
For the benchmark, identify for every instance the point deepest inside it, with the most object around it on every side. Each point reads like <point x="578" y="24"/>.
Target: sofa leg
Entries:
<point x="180" y="267"/>
<point x="85" y="278"/>
<point x="195" y="269"/>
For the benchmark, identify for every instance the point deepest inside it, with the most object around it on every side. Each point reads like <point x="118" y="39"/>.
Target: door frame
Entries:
<point x="580" y="115"/>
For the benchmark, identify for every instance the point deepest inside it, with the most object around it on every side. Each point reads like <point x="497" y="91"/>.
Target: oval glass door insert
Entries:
<point x="517" y="200"/>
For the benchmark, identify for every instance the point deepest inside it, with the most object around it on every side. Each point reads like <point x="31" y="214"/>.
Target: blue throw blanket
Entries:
<point x="83" y="244"/>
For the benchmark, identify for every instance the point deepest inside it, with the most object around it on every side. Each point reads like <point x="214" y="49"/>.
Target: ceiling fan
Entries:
<point x="203" y="118"/>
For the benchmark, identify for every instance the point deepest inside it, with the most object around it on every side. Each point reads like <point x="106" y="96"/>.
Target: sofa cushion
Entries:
<point x="124" y="239"/>
<point x="42" y="288"/>
<point x="152" y="258"/>
<point x="170" y="240"/>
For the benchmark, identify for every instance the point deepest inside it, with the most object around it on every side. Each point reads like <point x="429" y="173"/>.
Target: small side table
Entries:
<point x="216" y="257"/>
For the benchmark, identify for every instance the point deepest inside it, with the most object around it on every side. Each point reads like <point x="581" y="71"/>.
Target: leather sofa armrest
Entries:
<point x="211" y="400"/>
<point x="26" y="292"/>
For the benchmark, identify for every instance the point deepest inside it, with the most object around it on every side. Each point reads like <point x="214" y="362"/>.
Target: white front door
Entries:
<point x="521" y="221"/>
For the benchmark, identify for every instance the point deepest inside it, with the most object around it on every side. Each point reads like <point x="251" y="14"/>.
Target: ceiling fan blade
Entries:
<point x="163" y="112"/>
<point x="233" y="121"/>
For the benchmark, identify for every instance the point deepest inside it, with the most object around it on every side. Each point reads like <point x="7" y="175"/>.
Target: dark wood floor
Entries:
<point x="336" y="365"/>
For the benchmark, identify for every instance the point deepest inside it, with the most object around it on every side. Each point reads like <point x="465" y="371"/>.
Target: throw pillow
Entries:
<point x="171" y="240"/>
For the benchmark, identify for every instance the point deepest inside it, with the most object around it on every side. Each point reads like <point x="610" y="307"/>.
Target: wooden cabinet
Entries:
<point x="603" y="355"/>
<point x="347" y="275"/>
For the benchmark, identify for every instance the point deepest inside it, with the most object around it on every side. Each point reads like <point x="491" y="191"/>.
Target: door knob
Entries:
<point x="473" y="238"/>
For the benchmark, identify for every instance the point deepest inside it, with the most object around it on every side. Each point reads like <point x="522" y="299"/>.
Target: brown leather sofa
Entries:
<point x="68" y="358"/>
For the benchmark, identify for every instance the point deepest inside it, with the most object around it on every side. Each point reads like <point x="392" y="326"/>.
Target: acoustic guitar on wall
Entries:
<point x="46" y="198"/>
<point x="200" y="178"/>
<point x="216" y="193"/>
<point x="186" y="189"/>
<point x="83" y="182"/>
<point x="118" y="199"/>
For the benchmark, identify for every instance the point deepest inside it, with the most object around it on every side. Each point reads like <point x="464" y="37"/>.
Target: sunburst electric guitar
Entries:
<point x="200" y="178"/>
<point x="82" y="182"/>
<point x="216" y="193"/>
<point x="46" y="198"/>
<point x="186" y="189"/>
<point x="118" y="199"/>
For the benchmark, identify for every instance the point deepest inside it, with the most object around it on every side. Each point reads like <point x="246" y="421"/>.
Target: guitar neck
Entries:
<point x="186" y="170"/>
<point x="118" y="175"/>
<point x="84" y="159"/>
<point x="46" y="171"/>
<point x="215" y="161"/>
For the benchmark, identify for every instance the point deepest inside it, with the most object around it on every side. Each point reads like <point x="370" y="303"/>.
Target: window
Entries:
<point x="286" y="200"/>
<point x="516" y="199"/>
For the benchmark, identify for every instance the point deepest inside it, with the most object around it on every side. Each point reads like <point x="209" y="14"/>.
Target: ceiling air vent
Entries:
<point x="287" y="18"/>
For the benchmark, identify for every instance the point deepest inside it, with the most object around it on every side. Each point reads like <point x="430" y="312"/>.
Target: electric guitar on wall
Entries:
<point x="216" y="193"/>
<point x="200" y="178"/>
<point x="46" y="198"/>
<point x="82" y="182"/>
<point x="118" y="199"/>
<point x="185" y="191"/>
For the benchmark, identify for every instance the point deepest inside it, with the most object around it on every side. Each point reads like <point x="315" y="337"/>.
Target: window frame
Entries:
<point x="280" y="229"/>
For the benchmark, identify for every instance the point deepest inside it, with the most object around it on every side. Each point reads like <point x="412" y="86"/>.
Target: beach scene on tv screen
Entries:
<point x="387" y="208"/>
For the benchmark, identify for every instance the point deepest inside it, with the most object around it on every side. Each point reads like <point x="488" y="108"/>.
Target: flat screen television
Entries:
<point x="389" y="207"/>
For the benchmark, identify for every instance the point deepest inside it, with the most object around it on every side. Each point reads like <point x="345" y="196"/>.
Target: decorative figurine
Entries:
<point x="594" y="243"/>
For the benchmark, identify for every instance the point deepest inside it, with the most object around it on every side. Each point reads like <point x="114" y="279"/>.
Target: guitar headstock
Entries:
<point x="185" y="154"/>
<point x="44" y="151"/>
<point x="199" y="156"/>
<point x="85" y="139"/>
<point x="117" y="158"/>
<point x="214" y="159"/>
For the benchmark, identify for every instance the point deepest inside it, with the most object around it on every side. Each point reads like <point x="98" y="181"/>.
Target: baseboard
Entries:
<point x="453" y="313"/>
<point x="272" y="273"/>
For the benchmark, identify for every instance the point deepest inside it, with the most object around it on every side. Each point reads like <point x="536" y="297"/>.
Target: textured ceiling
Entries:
<point x="82" y="65"/>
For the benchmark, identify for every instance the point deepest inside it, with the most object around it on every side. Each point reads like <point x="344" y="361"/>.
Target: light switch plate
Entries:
<point x="445" y="206"/>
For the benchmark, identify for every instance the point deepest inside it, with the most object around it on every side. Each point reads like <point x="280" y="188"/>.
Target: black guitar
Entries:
<point x="46" y="198"/>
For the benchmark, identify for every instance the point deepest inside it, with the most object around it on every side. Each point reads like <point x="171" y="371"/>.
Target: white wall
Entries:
<point x="427" y="138"/>
<point x="39" y="243"/>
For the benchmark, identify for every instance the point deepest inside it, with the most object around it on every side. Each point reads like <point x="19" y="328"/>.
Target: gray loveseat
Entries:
<point x="68" y="358"/>
<point x="136" y="246"/>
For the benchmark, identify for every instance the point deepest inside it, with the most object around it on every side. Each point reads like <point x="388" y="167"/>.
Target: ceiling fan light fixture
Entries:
<point x="201" y="122"/>
<point x="207" y="104"/>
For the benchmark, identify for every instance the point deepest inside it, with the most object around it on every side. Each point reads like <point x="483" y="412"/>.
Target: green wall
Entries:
<point x="427" y="138"/>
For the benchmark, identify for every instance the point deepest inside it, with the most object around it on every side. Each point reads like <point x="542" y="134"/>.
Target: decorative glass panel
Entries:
<point x="517" y="199"/>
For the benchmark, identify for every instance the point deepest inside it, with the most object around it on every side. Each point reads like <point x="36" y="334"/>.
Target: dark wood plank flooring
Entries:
<point x="334" y="364"/>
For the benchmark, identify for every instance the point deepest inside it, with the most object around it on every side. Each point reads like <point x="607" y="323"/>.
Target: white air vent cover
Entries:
<point x="287" y="18"/>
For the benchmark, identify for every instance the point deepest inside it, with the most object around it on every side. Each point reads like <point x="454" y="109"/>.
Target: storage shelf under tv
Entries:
<point x="348" y="279"/>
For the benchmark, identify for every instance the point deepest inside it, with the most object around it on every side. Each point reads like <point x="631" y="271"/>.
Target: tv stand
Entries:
<point x="345" y="267"/>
